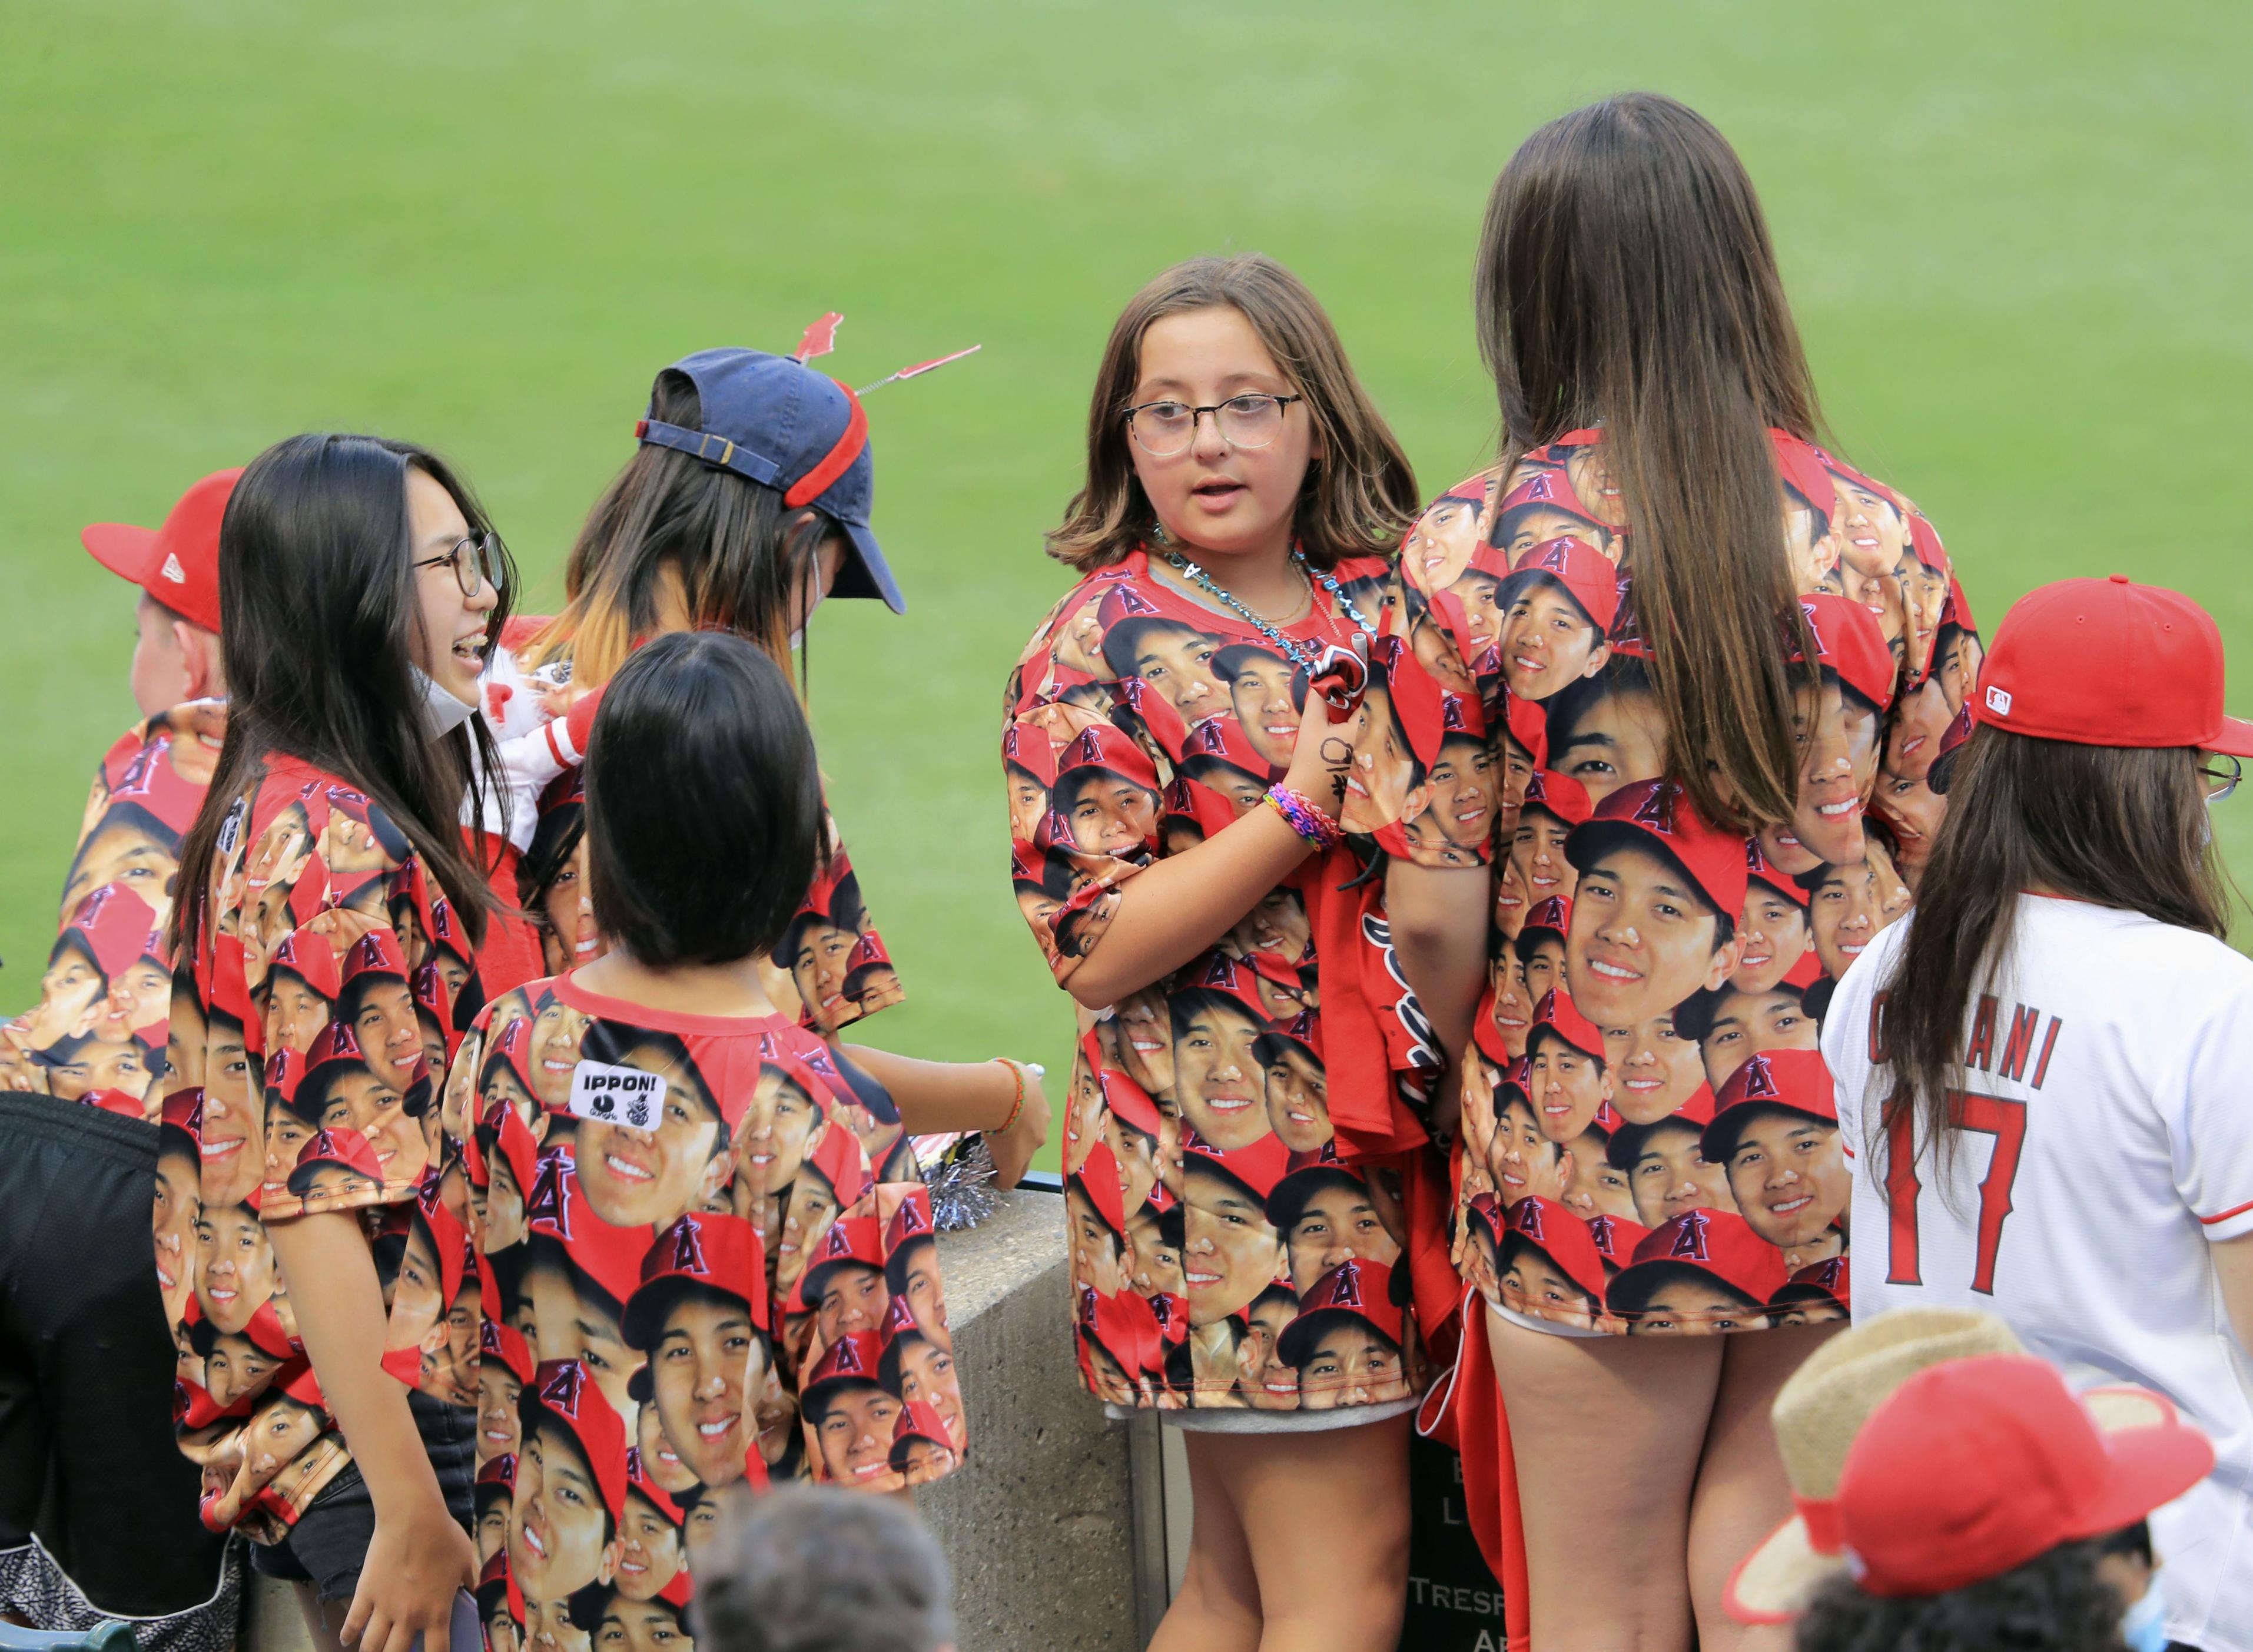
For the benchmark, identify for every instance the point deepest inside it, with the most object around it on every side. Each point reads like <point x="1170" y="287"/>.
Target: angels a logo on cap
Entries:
<point x="1604" y="1230"/>
<point x="844" y="1359"/>
<point x="545" y="1203"/>
<point x="488" y="1336"/>
<point x="1345" y="1286"/>
<point x="1451" y="714"/>
<point x="1543" y="488"/>
<point x="1084" y="750"/>
<point x="912" y="1218"/>
<point x="836" y="1243"/>
<point x="1207" y="739"/>
<point x="560" y="1393"/>
<point x="1087" y="1301"/>
<point x="1759" y="1080"/>
<point x="1656" y="811"/>
<point x="1132" y="601"/>
<point x="898" y="1318"/>
<point x="819" y="1061"/>
<point x="1220" y="971"/>
<point x="688" y="1247"/>
<point x="1526" y="1218"/>
<point x="1689" y="1238"/>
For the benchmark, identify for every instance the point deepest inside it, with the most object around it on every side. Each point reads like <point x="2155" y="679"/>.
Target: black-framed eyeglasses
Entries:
<point x="1165" y="428"/>
<point x="2219" y="782"/>
<point x="476" y="561"/>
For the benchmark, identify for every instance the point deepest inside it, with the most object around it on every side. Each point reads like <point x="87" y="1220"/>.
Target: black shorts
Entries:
<point x="328" y="1545"/>
<point x="88" y="1462"/>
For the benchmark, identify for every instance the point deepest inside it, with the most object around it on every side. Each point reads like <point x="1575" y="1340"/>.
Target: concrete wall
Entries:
<point x="1042" y="1524"/>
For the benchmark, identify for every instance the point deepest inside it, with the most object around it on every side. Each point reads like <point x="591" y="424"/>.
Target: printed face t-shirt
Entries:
<point x="1225" y="1252"/>
<point x="307" y="1032"/>
<point x="706" y="1257"/>
<point x="1647" y="1146"/>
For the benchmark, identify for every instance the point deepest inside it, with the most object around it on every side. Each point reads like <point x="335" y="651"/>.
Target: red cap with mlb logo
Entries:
<point x="2108" y="662"/>
<point x="176" y="564"/>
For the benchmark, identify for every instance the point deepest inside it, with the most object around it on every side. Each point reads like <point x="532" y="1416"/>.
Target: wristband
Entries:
<point x="1016" y="1071"/>
<point x="1303" y="817"/>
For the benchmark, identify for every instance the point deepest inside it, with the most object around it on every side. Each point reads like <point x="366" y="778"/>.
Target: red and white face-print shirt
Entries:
<point x="307" y="1028"/>
<point x="1227" y="1249"/>
<point x="705" y="1257"/>
<point x="1648" y="1140"/>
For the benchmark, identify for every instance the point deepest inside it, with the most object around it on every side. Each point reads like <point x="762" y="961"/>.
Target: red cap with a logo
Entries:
<point x="178" y="564"/>
<point x="2108" y="662"/>
<point x="1975" y="1466"/>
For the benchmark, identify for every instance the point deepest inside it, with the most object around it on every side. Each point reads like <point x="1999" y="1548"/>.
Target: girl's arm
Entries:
<point x="419" y="1555"/>
<point x="2233" y="1266"/>
<point x="1173" y="910"/>
<point x="1440" y="919"/>
<point x="939" y="1098"/>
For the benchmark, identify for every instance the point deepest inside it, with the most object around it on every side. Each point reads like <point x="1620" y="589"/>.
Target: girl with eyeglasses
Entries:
<point x="1242" y="506"/>
<point x="2042" y="1070"/>
<point x="360" y="592"/>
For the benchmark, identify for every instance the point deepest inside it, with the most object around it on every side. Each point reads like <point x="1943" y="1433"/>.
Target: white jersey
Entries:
<point x="2108" y="1141"/>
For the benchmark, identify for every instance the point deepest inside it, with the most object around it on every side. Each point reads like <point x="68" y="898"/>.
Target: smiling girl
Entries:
<point x="361" y="587"/>
<point x="1242" y="498"/>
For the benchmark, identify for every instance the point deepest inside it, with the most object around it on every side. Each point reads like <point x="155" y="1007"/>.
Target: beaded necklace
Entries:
<point x="1295" y="652"/>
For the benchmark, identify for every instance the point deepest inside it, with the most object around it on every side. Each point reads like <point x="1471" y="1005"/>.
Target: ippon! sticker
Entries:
<point x="609" y="1095"/>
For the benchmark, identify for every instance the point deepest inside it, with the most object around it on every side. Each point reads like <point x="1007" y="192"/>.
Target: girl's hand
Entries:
<point x="415" y="1563"/>
<point x="1013" y="1149"/>
<point x="1319" y="756"/>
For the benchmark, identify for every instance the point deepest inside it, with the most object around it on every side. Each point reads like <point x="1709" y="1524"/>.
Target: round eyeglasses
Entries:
<point x="1163" y="429"/>
<point x="2219" y="782"/>
<point x="476" y="561"/>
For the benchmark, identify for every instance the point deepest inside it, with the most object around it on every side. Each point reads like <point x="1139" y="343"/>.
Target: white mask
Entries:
<point x="441" y="712"/>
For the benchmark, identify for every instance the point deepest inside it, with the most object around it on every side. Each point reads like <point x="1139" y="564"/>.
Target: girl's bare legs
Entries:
<point x="1607" y="1433"/>
<point x="1742" y="1494"/>
<point x="1299" y="1543"/>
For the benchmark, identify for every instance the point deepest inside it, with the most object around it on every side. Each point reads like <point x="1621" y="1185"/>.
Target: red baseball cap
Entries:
<point x="1785" y="1080"/>
<point x="1831" y="1280"/>
<point x="1557" y="1012"/>
<point x="857" y="1241"/>
<point x="1800" y="466"/>
<point x="722" y="1253"/>
<point x="1578" y="569"/>
<point x="1975" y="1466"/>
<point x="2108" y="662"/>
<point x="1718" y="1243"/>
<point x="1356" y="1288"/>
<point x="918" y="1421"/>
<point x="1659" y="815"/>
<point x="178" y="564"/>
<point x="1561" y="1236"/>
<point x="1557" y="794"/>
<point x="343" y="1147"/>
<point x="565" y="1390"/>
<point x="506" y="1344"/>
<point x="1616" y="1238"/>
<point x="1850" y="641"/>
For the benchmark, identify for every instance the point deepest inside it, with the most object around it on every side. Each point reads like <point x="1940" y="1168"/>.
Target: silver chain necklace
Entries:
<point x="1297" y="654"/>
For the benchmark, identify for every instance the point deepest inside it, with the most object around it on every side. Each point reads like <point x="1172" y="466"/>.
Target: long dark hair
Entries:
<point x="1625" y="277"/>
<point x="740" y="553"/>
<point x="318" y="619"/>
<point x="2055" y="1600"/>
<point x="1358" y="498"/>
<point x="2119" y="826"/>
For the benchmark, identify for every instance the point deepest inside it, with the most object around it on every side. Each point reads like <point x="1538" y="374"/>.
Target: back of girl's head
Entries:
<point x="1625" y="277"/>
<point x="1359" y="496"/>
<point x="704" y="813"/>
<point x="2056" y="1602"/>
<point x="319" y="622"/>
<point x="736" y="549"/>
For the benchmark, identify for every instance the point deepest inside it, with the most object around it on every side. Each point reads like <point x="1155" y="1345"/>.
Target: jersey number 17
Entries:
<point x="1995" y="1116"/>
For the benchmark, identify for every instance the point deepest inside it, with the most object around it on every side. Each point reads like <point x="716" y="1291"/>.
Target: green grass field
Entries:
<point x="2016" y="236"/>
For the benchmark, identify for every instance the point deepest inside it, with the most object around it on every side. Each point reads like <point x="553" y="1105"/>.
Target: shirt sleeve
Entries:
<point x="1427" y="784"/>
<point x="1089" y="787"/>
<point x="2209" y="1128"/>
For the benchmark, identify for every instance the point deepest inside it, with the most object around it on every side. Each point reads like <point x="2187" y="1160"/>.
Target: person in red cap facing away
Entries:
<point x="1973" y="1502"/>
<point x="745" y="507"/>
<point x="1188" y="732"/>
<point x="663" y="1180"/>
<point x="1713" y="625"/>
<point x="2039" y="1072"/>
<point x="361" y="587"/>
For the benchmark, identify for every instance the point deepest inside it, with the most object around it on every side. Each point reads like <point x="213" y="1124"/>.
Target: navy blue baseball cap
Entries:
<point x="778" y="421"/>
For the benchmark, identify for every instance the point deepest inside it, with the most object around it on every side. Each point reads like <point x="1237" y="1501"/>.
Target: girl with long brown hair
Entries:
<point x="2043" y="1069"/>
<point x="1677" y="604"/>
<point x="1235" y="1172"/>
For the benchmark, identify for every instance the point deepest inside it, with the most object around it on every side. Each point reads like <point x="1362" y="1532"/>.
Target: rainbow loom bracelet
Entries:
<point x="1303" y="817"/>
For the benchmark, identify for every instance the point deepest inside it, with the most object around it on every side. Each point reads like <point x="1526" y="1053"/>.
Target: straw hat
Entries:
<point x="1818" y="1413"/>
